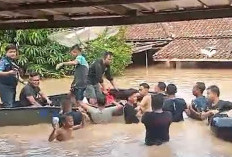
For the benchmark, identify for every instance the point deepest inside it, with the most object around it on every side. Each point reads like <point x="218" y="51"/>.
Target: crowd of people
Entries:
<point x="156" y="109"/>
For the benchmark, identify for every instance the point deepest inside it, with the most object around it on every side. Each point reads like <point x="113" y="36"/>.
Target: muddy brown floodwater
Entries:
<point x="187" y="139"/>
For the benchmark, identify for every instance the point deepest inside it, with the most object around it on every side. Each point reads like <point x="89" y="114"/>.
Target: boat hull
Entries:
<point x="222" y="127"/>
<point x="27" y="116"/>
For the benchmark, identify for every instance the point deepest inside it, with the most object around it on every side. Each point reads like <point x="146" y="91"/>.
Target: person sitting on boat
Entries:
<point x="81" y="72"/>
<point x="78" y="117"/>
<point x="157" y="123"/>
<point x="65" y="132"/>
<point x="199" y="104"/>
<point x="145" y="104"/>
<point x="101" y="114"/>
<point x="176" y="106"/>
<point x="129" y="108"/>
<point x="95" y="77"/>
<point x="8" y="77"/>
<point x="31" y="95"/>
<point x="215" y="105"/>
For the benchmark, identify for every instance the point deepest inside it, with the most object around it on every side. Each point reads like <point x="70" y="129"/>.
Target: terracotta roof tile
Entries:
<point x="200" y="28"/>
<point x="192" y="49"/>
<point x="221" y="27"/>
<point x="146" y="32"/>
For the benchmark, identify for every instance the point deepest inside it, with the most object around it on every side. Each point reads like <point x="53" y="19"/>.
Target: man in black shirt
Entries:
<point x="31" y="94"/>
<point x="157" y="123"/>
<point x="215" y="105"/>
<point x="95" y="77"/>
<point x="160" y="90"/>
<point x="129" y="109"/>
<point x="175" y="105"/>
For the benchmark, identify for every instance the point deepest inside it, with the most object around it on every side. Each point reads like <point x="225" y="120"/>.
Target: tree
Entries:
<point x="38" y="54"/>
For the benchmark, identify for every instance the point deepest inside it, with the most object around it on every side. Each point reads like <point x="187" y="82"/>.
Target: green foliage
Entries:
<point x="117" y="45"/>
<point x="36" y="52"/>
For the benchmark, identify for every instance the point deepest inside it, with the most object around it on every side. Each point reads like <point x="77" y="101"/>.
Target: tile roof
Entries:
<point x="200" y="28"/>
<point x="146" y="32"/>
<point x="221" y="27"/>
<point x="190" y="49"/>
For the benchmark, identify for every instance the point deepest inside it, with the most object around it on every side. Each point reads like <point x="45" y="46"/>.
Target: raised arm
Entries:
<point x="74" y="62"/>
<point x="54" y="133"/>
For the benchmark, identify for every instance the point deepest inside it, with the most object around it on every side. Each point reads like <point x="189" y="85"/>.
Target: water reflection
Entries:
<point x="188" y="139"/>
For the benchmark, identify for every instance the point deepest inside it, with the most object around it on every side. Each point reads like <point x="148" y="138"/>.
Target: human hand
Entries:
<point x="12" y="72"/>
<point x="214" y="111"/>
<point x="58" y="66"/>
<point x="49" y="101"/>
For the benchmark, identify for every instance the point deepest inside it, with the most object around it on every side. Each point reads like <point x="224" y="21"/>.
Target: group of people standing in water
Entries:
<point x="156" y="110"/>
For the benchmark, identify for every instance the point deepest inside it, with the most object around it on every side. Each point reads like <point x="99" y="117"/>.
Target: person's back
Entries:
<point x="157" y="123"/>
<point x="130" y="114"/>
<point x="157" y="127"/>
<point x="103" y="115"/>
<point x="176" y="106"/>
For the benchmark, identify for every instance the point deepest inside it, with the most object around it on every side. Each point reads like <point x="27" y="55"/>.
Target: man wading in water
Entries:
<point x="145" y="104"/>
<point x="80" y="75"/>
<point x="8" y="77"/>
<point x="96" y="72"/>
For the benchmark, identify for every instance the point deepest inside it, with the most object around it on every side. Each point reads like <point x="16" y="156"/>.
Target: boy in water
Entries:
<point x="157" y="123"/>
<point x="65" y="132"/>
<point x="129" y="109"/>
<point x="145" y="104"/>
<point x="175" y="105"/>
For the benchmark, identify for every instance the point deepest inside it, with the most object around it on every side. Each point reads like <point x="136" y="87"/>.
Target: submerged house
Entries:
<point x="189" y="43"/>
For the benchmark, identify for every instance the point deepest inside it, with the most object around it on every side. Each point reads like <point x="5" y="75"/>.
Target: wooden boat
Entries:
<point x="221" y="125"/>
<point x="34" y="115"/>
<point x="31" y="115"/>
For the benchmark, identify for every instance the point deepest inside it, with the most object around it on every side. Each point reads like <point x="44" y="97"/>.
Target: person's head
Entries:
<point x="132" y="96"/>
<point x="143" y="89"/>
<point x="67" y="105"/>
<point x="107" y="57"/>
<point x="198" y="88"/>
<point x="157" y="102"/>
<point x="101" y="100"/>
<point x="171" y="89"/>
<point x="75" y="50"/>
<point x="34" y="79"/>
<point x="11" y="51"/>
<point x="213" y="93"/>
<point x="160" y="87"/>
<point x="67" y="121"/>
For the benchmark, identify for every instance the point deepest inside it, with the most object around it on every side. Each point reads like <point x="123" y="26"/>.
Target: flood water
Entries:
<point x="187" y="139"/>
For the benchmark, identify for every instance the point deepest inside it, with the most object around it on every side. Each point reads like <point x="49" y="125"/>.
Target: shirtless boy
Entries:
<point x="65" y="132"/>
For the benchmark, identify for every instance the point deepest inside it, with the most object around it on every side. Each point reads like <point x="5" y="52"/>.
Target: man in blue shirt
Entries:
<point x="8" y="79"/>
<point x="81" y="72"/>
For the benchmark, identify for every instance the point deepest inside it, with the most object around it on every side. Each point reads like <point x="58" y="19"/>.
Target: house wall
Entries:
<point x="140" y="58"/>
<point x="189" y="65"/>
